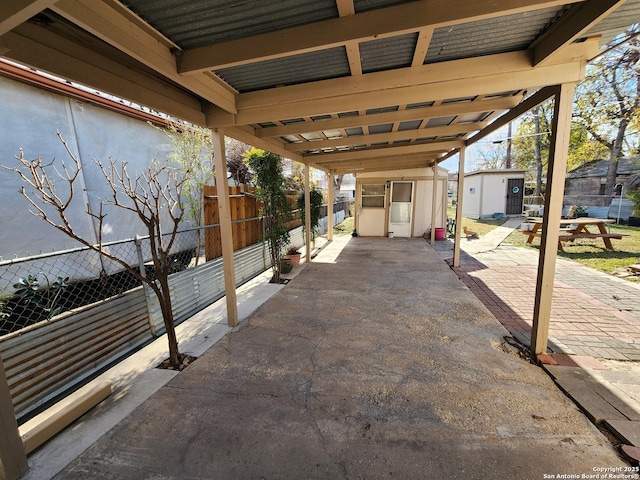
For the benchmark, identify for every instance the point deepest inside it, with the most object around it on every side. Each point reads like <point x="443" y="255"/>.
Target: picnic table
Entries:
<point x="574" y="228"/>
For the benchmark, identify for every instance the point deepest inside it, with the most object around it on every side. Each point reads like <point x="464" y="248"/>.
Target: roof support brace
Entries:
<point x="559" y="148"/>
<point x="226" y="232"/>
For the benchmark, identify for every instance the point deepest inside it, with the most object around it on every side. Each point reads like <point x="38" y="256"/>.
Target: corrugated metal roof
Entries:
<point x="486" y="37"/>
<point x="364" y="5"/>
<point x="627" y="14"/>
<point x="386" y="53"/>
<point x="203" y="22"/>
<point x="292" y="70"/>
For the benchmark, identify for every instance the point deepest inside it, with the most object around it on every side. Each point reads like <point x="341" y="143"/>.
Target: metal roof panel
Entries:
<point x="307" y="67"/>
<point x="387" y="53"/>
<point x="486" y="37"/>
<point x="198" y="23"/>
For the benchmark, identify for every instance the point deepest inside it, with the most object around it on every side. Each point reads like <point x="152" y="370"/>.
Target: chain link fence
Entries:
<point x="37" y="288"/>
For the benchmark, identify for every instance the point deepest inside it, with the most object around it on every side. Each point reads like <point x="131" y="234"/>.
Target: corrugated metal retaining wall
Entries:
<point x="196" y="288"/>
<point x="48" y="358"/>
<point x="51" y="357"/>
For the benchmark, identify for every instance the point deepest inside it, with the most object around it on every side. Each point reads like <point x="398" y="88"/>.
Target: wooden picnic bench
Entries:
<point x="576" y="228"/>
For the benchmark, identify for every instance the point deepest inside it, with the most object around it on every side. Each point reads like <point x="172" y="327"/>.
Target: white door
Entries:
<point x="401" y="208"/>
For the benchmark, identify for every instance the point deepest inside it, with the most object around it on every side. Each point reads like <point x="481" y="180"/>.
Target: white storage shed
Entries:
<point x="491" y="193"/>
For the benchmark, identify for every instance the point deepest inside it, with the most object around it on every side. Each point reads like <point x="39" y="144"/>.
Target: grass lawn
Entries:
<point x="592" y="252"/>
<point x="481" y="227"/>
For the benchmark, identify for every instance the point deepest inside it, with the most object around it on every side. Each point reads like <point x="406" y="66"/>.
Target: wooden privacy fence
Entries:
<point x="246" y="226"/>
<point x="245" y="210"/>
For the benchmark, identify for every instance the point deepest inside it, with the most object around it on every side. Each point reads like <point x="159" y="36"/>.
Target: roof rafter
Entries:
<point x="33" y="45"/>
<point x="578" y="20"/>
<point x="431" y="147"/>
<point x="461" y="87"/>
<point x="369" y="25"/>
<point x="15" y="12"/>
<point x="115" y="25"/>
<point x="460" y="108"/>
<point x="387" y="137"/>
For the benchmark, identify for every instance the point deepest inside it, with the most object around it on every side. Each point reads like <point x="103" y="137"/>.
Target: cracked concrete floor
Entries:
<point x="378" y="364"/>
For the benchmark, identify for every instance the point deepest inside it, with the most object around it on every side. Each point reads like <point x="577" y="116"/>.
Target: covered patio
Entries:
<point x="374" y="362"/>
<point x="348" y="86"/>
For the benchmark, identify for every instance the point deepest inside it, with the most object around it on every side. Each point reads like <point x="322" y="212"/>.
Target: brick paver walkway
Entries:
<point x="593" y="314"/>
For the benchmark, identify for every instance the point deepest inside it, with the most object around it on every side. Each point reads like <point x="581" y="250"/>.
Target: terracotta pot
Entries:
<point x="295" y="258"/>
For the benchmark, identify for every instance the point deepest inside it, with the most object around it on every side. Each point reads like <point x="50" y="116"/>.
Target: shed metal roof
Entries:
<point x="343" y="85"/>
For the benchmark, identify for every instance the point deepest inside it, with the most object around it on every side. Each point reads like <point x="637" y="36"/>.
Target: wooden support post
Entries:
<point x="330" y="207"/>
<point x="445" y="203"/>
<point x="226" y="231"/>
<point x="558" y="152"/>
<point x="13" y="459"/>
<point x="307" y="212"/>
<point x="434" y="197"/>
<point x="456" y="239"/>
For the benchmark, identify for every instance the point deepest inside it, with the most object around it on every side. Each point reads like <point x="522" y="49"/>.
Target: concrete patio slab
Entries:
<point x="374" y="362"/>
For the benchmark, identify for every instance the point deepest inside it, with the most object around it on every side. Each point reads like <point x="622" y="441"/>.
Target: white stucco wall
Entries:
<point x="29" y="119"/>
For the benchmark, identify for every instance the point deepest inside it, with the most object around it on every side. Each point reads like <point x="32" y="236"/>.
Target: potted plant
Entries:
<point x="634" y="196"/>
<point x="294" y="254"/>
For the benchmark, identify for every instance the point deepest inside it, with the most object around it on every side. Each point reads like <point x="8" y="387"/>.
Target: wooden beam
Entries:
<point x="16" y="12"/>
<point x="245" y="134"/>
<point x="327" y="158"/>
<point x="460" y="108"/>
<point x="422" y="46"/>
<point x="502" y="81"/>
<point x="382" y="164"/>
<point x="573" y="24"/>
<point x="49" y="52"/>
<point x="116" y="25"/>
<point x="386" y="137"/>
<point x="460" y="194"/>
<point x="345" y="9"/>
<point x="13" y="459"/>
<point x="369" y="25"/>
<point x="226" y="231"/>
<point x="528" y="104"/>
<point x="556" y="173"/>
<point x="478" y="70"/>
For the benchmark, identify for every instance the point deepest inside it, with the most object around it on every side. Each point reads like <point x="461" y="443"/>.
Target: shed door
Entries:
<point x="401" y="208"/>
<point x="515" y="196"/>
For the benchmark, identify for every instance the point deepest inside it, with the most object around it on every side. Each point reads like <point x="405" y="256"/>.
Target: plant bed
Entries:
<point x="183" y="359"/>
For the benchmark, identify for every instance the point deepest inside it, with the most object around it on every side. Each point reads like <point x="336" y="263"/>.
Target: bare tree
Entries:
<point x="149" y="195"/>
<point x="608" y="99"/>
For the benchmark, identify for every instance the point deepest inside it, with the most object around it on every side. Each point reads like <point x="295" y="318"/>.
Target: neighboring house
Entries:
<point x="400" y="202"/>
<point x="348" y="187"/>
<point x="590" y="179"/>
<point x="30" y="116"/>
<point x="490" y="192"/>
